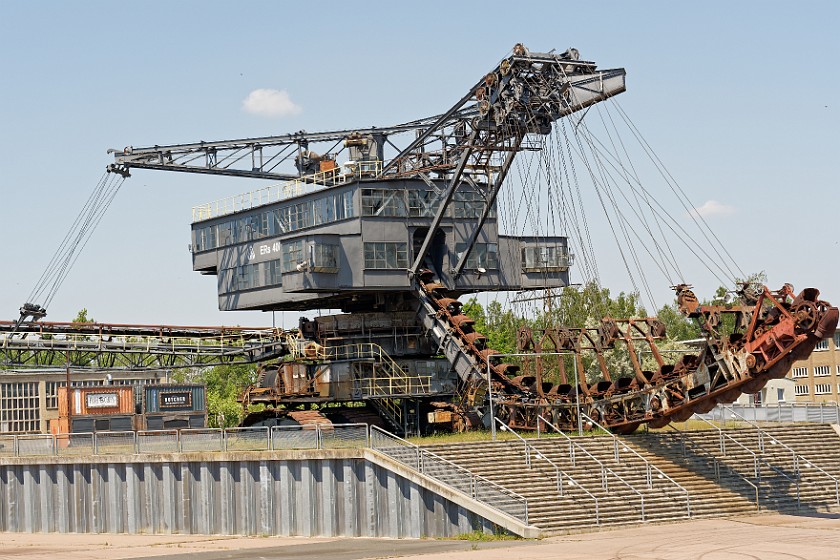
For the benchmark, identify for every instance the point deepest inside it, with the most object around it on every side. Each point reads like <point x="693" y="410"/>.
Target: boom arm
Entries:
<point x="525" y="93"/>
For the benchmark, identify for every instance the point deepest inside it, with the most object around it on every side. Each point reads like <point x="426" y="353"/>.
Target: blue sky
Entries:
<point x="740" y="100"/>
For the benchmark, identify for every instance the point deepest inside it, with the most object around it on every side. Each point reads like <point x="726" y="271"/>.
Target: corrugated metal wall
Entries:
<point x="342" y="496"/>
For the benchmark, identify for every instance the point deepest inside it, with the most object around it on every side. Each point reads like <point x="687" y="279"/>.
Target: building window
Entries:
<point x="822" y="389"/>
<point x="822" y="371"/>
<point x="384" y="255"/>
<point x="292" y="255"/>
<point x="19" y="407"/>
<point x="837" y="340"/>
<point x="780" y="395"/>
<point x="801" y="390"/>
<point x="483" y="255"/>
<point x="383" y="202"/>
<point x="822" y="345"/>
<point x="52" y="394"/>
<point x="800" y="372"/>
<point x="540" y="259"/>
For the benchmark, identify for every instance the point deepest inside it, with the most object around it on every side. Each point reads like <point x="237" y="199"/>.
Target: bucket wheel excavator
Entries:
<point x="392" y="225"/>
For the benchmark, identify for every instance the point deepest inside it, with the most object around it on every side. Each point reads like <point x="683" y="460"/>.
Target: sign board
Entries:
<point x="175" y="399"/>
<point x="102" y="400"/>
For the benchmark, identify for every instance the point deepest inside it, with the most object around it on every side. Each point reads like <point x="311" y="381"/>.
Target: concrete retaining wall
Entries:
<point x="312" y="493"/>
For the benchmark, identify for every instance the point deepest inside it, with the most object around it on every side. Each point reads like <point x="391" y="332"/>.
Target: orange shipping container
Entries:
<point x="96" y="400"/>
<point x="59" y="426"/>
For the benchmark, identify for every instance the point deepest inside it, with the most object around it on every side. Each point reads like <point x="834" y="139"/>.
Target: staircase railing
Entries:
<point x="798" y="459"/>
<point x="391" y="410"/>
<point x="604" y="469"/>
<point x="757" y="460"/>
<point x="558" y="473"/>
<point x="450" y="474"/>
<point x="573" y="456"/>
<point x="649" y="467"/>
<point x="700" y="451"/>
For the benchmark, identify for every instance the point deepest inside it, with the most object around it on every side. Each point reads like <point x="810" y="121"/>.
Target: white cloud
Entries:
<point x="712" y="208"/>
<point x="270" y="103"/>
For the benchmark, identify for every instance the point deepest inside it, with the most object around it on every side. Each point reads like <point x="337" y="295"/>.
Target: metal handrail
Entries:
<point x="286" y="190"/>
<point x="557" y="471"/>
<point x="724" y="436"/>
<point x="572" y="456"/>
<point x="757" y="460"/>
<point x="716" y="462"/>
<point x="604" y="469"/>
<point x="796" y="456"/>
<point x="51" y="447"/>
<point x="649" y="467"/>
<point x="419" y="453"/>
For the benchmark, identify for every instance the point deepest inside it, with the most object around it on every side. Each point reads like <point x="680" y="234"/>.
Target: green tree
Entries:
<point x="82" y="317"/>
<point x="225" y="385"/>
<point x="497" y="324"/>
<point x="678" y="327"/>
<point x="587" y="305"/>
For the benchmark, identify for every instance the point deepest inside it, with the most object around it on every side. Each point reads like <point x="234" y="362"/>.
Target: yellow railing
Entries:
<point x="274" y="193"/>
<point x="394" y="380"/>
<point x="393" y="408"/>
<point x="395" y="386"/>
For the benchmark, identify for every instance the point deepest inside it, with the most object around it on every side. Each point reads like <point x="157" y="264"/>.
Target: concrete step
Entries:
<point x="505" y="463"/>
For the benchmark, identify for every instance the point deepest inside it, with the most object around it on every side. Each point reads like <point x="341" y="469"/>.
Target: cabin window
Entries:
<point x="245" y="277"/>
<point x="383" y="202"/>
<point x="269" y="223"/>
<point x="271" y="273"/>
<point x="386" y="255"/>
<point x="468" y="204"/>
<point x="554" y="258"/>
<point x="423" y="204"/>
<point x="325" y="258"/>
<point x="205" y="239"/>
<point x="483" y="255"/>
<point x="293" y="255"/>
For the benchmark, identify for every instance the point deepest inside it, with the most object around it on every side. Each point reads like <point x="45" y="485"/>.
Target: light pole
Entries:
<point x="69" y="398"/>
<point x="577" y="400"/>
<point x="490" y="398"/>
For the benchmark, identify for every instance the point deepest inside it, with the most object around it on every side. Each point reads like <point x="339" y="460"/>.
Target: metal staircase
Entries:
<point x="379" y="379"/>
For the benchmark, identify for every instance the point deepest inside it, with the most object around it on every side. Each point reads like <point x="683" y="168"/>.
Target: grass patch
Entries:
<point x="480" y="536"/>
<point x="485" y="435"/>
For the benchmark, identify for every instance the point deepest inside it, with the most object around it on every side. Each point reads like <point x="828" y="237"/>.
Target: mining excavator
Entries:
<point x="393" y="225"/>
